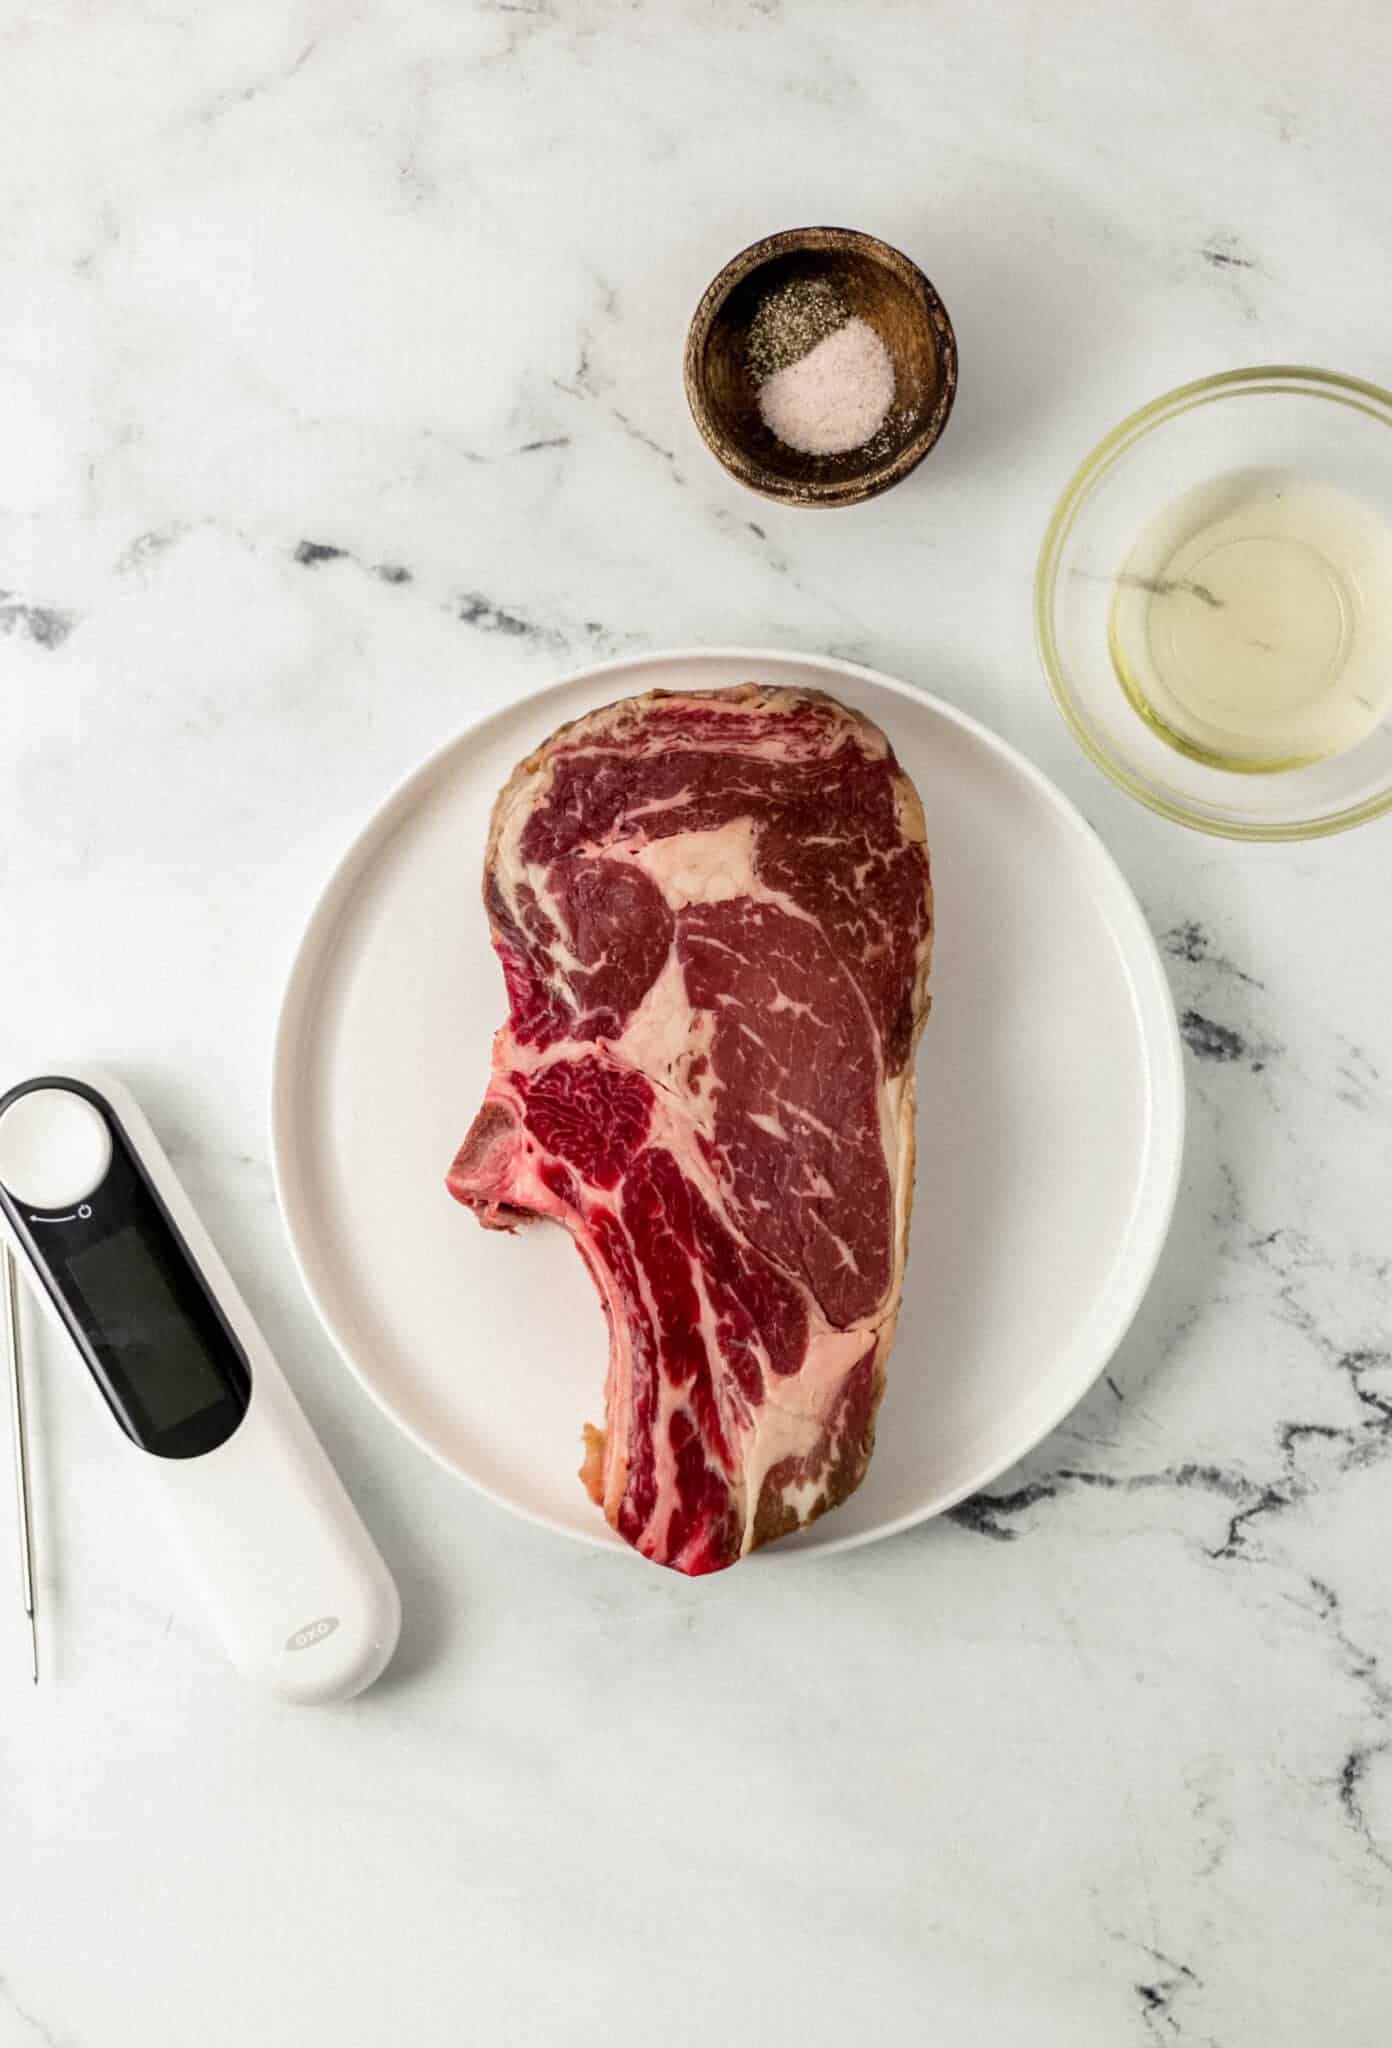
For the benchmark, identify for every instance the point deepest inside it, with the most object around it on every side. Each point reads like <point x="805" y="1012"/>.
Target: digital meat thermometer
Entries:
<point x="295" y="1586"/>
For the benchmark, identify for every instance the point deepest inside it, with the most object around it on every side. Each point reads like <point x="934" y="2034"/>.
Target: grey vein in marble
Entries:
<point x="1224" y="252"/>
<point x="29" y="2020"/>
<point x="486" y="616"/>
<point x="310" y="553"/>
<point x="1225" y="257"/>
<point x="1209" y="1040"/>
<point x="471" y="608"/>
<point x="1214" y="980"/>
<point x="1361" y="1442"/>
<point x="1192" y="942"/>
<point x="647" y="440"/>
<point x="989" y="1514"/>
<point x="1157" y="1997"/>
<point x="147" y="548"/>
<point x="1363" y="1667"/>
<point x="223" y="102"/>
<point x="46" y="625"/>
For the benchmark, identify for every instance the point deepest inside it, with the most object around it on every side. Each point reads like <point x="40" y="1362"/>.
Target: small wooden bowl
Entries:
<point x="884" y="288"/>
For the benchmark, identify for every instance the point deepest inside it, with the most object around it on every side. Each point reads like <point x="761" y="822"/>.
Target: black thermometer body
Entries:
<point x="132" y="1299"/>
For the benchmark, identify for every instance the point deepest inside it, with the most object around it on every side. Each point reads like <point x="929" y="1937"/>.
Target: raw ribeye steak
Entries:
<point x="714" y="918"/>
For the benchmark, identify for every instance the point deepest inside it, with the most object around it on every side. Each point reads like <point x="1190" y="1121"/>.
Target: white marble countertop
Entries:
<point x="340" y="398"/>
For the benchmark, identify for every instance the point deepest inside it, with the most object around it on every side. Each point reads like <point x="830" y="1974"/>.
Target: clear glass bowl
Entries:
<point x="1310" y="424"/>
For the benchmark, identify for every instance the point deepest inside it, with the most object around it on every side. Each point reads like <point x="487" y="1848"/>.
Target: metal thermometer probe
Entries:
<point x="21" y="1450"/>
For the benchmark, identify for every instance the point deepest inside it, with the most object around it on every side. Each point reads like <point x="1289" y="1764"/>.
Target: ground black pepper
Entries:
<point x="790" y="322"/>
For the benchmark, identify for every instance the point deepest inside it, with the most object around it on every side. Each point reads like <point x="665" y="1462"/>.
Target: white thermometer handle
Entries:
<point x="294" y="1584"/>
<point x="296" y="1588"/>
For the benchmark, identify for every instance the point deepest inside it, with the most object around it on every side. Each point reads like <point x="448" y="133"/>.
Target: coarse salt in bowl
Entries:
<point x="834" y="399"/>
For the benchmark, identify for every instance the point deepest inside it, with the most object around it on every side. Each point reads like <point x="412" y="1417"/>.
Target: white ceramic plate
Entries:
<point x="1051" y="1115"/>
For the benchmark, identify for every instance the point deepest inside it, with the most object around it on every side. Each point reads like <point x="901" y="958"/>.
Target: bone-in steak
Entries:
<point x="714" y="918"/>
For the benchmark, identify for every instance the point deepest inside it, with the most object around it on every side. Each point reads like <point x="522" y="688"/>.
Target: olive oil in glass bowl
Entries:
<point x="1214" y="604"/>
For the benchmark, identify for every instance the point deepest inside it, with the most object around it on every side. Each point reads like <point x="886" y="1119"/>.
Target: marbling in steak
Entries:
<point x="714" y="918"/>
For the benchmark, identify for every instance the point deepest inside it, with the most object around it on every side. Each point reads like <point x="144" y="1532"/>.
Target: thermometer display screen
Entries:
<point x="150" y="1337"/>
<point x="133" y="1299"/>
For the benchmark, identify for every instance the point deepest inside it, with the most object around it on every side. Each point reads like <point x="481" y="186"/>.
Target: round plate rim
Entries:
<point x="1157" y="1031"/>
